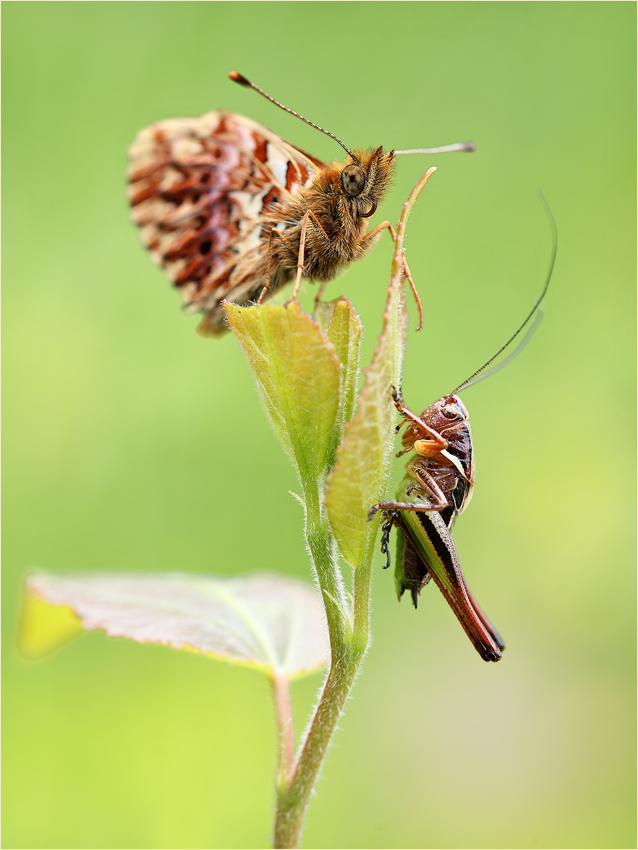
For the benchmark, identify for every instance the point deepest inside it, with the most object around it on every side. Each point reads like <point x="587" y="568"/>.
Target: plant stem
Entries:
<point x="324" y="558"/>
<point x="285" y="728"/>
<point x="347" y="650"/>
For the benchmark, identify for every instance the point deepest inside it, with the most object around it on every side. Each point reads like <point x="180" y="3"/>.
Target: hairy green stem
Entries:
<point x="285" y="728"/>
<point x="348" y="646"/>
<point x="348" y="640"/>
<point x="325" y="561"/>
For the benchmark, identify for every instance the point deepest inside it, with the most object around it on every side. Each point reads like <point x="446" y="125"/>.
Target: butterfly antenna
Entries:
<point x="473" y="379"/>
<point x="457" y="146"/>
<point x="239" y="78"/>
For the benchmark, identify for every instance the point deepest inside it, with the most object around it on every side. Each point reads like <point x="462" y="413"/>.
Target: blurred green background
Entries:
<point x="133" y="444"/>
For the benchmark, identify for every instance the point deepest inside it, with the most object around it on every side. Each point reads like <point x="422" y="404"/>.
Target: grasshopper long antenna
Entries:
<point x="536" y="309"/>
<point x="239" y="78"/>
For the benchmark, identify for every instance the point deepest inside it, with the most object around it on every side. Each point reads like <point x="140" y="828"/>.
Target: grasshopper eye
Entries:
<point x="450" y="412"/>
<point x="353" y="180"/>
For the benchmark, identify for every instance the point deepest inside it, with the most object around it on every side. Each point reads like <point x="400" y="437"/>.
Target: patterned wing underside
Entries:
<point x="199" y="188"/>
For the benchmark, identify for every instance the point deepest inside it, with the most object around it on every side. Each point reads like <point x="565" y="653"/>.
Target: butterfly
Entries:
<point x="231" y="211"/>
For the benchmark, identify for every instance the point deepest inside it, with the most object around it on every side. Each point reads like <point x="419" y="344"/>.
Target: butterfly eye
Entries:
<point x="450" y="412"/>
<point x="353" y="180"/>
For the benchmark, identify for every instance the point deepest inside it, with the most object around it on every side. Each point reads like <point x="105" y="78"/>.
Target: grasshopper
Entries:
<point x="437" y="487"/>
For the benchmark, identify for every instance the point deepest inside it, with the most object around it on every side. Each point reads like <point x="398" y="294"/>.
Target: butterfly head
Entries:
<point x="364" y="179"/>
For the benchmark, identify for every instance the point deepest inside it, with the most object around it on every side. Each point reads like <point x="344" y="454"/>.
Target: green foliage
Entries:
<point x="360" y="476"/>
<point x="342" y="327"/>
<point x="298" y="375"/>
<point x="291" y="360"/>
<point x="307" y="381"/>
<point x="266" y="621"/>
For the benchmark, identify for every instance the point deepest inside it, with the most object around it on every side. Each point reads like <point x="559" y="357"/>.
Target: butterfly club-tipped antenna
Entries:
<point x="468" y="147"/>
<point x="458" y="146"/>
<point x="535" y="313"/>
<point x="239" y="78"/>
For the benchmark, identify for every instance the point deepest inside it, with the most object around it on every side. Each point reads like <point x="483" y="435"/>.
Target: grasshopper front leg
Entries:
<point x="438" y="503"/>
<point x="424" y="447"/>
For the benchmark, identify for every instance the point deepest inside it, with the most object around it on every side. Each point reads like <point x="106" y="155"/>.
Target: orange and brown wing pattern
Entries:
<point x="205" y="193"/>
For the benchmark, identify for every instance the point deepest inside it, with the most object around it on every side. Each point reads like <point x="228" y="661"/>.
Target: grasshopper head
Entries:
<point x="445" y="413"/>
<point x="446" y="416"/>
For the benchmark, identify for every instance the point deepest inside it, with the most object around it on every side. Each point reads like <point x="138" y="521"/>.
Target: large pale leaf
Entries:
<point x="360" y="476"/>
<point x="264" y="620"/>
<point x="298" y="375"/>
<point x="44" y="627"/>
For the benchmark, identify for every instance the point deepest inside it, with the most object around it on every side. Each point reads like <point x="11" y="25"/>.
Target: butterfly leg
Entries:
<point x="301" y="255"/>
<point x="385" y="225"/>
<point x="320" y="293"/>
<point x="316" y="221"/>
<point x="266" y="287"/>
<point x="325" y="282"/>
<point x="302" y="252"/>
<point x="415" y="292"/>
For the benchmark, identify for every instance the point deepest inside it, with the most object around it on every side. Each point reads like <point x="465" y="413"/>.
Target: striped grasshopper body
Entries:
<point x="437" y="487"/>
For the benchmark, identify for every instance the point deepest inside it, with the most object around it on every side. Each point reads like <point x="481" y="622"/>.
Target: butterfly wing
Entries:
<point x="203" y="191"/>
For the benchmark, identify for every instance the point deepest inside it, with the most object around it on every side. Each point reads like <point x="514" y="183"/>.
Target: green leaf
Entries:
<point x="270" y="622"/>
<point x="359" y="478"/>
<point x="341" y="325"/>
<point x="344" y="332"/>
<point x="298" y="376"/>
